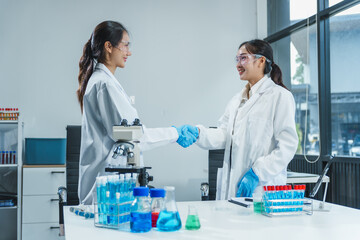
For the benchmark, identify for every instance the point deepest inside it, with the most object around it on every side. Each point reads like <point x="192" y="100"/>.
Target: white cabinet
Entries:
<point x="40" y="215"/>
<point x="11" y="141"/>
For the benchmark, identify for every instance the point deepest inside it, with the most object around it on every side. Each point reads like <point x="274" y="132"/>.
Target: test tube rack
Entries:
<point x="284" y="201"/>
<point x="112" y="201"/>
<point x="9" y="114"/>
<point x="114" y="216"/>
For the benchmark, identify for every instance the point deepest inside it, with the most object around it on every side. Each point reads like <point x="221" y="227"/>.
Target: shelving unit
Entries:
<point x="11" y="139"/>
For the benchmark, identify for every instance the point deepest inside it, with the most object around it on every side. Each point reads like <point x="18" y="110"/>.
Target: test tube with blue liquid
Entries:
<point x="122" y="197"/>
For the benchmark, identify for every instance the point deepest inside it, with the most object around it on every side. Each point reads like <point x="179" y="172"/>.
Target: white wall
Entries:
<point x="182" y="69"/>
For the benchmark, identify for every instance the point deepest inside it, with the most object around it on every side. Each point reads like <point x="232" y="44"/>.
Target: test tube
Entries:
<point x="98" y="197"/>
<point x="127" y="186"/>
<point x="277" y="192"/>
<point x="271" y="193"/>
<point x="118" y="218"/>
<point x="302" y="192"/>
<point x="289" y="192"/>
<point x="265" y="193"/>
<point x="122" y="199"/>
<point x="2" y="157"/>
<point x="14" y="157"/>
<point x="7" y="157"/>
<point x="295" y="193"/>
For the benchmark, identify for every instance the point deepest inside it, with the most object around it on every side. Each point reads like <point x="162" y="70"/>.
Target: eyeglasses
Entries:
<point x="245" y="58"/>
<point x="124" y="46"/>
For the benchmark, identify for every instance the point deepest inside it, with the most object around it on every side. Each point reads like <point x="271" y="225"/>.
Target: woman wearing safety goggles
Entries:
<point x="104" y="103"/>
<point x="257" y="129"/>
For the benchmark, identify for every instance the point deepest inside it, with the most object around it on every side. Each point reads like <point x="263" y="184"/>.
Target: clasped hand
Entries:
<point x="187" y="135"/>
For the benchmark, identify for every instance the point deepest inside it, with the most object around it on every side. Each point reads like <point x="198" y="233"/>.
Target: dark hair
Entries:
<point x="94" y="49"/>
<point x="263" y="48"/>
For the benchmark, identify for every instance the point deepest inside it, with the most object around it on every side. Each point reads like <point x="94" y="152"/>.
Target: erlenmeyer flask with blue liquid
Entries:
<point x="169" y="218"/>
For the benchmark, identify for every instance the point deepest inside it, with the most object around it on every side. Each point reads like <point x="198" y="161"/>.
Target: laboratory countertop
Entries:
<point x="224" y="220"/>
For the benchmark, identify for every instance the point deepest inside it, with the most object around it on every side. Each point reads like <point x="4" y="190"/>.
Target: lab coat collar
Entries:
<point x="257" y="86"/>
<point x="265" y="84"/>
<point x="106" y="70"/>
<point x="260" y="87"/>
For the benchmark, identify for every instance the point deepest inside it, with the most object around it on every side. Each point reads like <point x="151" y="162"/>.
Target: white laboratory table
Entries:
<point x="224" y="220"/>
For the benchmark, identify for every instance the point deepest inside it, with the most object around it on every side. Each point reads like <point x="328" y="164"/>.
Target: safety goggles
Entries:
<point x="124" y="46"/>
<point x="245" y="58"/>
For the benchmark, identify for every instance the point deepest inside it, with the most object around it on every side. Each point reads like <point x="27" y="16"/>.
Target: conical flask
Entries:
<point x="169" y="218"/>
<point x="192" y="221"/>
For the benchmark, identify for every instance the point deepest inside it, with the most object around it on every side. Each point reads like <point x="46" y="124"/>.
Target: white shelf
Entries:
<point x="8" y="165"/>
<point x="11" y="136"/>
<point x="3" y="208"/>
<point x="9" y="122"/>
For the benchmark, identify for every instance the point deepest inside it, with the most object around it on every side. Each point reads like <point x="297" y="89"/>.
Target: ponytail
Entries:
<point x="86" y="65"/>
<point x="276" y="75"/>
<point x="94" y="49"/>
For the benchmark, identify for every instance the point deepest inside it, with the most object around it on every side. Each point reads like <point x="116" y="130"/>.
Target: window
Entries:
<point x="316" y="44"/>
<point x="283" y="13"/>
<point x="345" y="85"/>
<point x="296" y="55"/>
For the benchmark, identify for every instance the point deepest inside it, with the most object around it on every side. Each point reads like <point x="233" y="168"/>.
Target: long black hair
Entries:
<point x="263" y="48"/>
<point x="94" y="50"/>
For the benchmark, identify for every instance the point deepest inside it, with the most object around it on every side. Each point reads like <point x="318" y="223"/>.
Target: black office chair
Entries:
<point x="69" y="195"/>
<point x="216" y="159"/>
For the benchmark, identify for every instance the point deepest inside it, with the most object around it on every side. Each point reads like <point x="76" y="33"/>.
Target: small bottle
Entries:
<point x="140" y="211"/>
<point x="157" y="200"/>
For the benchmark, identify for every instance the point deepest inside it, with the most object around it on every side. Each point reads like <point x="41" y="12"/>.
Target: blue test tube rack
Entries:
<point x="285" y="201"/>
<point x="113" y="199"/>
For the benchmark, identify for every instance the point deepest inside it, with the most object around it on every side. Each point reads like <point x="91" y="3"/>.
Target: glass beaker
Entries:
<point x="257" y="200"/>
<point x="169" y="218"/>
<point x="192" y="221"/>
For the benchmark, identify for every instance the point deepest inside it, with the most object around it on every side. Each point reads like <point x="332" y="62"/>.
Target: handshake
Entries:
<point x="187" y="135"/>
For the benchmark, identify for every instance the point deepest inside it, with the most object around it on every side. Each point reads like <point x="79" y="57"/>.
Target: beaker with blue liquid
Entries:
<point x="169" y="218"/>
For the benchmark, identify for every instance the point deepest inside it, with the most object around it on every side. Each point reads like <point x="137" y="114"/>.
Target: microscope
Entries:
<point x="127" y="140"/>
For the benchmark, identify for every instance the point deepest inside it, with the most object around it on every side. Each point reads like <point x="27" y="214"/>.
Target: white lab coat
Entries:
<point x="263" y="137"/>
<point x="105" y="103"/>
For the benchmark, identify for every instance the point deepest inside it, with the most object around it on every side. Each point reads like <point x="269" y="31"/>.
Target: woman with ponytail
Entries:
<point x="257" y="129"/>
<point x="104" y="103"/>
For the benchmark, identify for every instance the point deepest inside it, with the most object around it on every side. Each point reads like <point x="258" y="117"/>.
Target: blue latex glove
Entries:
<point x="247" y="184"/>
<point x="187" y="135"/>
<point x="192" y="129"/>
